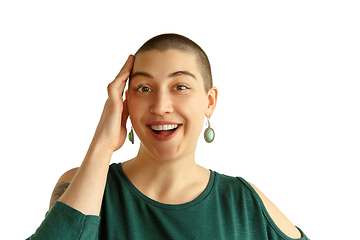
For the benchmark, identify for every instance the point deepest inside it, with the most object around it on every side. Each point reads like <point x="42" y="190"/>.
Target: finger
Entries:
<point x="128" y="65"/>
<point x="125" y="113"/>
<point x="125" y="70"/>
<point x="116" y="87"/>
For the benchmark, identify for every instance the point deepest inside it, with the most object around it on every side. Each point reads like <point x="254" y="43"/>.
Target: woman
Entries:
<point x="161" y="193"/>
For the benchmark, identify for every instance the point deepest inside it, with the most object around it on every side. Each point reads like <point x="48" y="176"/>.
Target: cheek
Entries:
<point x="193" y="110"/>
<point x="195" y="104"/>
<point x="136" y="110"/>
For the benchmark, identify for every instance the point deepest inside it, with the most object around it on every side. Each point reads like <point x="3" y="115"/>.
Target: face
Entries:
<point x="167" y="103"/>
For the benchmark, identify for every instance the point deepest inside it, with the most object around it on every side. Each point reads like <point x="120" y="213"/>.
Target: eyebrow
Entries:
<point x="172" y="75"/>
<point x="178" y="73"/>
<point x="145" y="74"/>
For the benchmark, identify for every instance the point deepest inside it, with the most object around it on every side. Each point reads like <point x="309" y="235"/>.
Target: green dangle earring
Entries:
<point x="131" y="135"/>
<point x="209" y="133"/>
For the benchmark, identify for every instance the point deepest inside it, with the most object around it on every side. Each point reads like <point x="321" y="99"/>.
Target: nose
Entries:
<point x="161" y="104"/>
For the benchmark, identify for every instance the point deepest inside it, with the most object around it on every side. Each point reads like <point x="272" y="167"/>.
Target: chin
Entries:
<point x="166" y="153"/>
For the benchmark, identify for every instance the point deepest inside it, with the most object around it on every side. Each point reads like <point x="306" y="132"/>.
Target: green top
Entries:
<point x="229" y="208"/>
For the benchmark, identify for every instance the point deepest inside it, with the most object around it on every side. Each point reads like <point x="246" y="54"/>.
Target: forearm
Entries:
<point x="86" y="190"/>
<point x="64" y="222"/>
<point x="83" y="196"/>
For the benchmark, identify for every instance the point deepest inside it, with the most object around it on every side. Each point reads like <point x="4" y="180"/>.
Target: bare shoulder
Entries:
<point x="278" y="217"/>
<point x="61" y="185"/>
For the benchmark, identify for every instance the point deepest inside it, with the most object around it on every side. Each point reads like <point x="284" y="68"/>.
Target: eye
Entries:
<point x="181" y="87"/>
<point x="143" y="89"/>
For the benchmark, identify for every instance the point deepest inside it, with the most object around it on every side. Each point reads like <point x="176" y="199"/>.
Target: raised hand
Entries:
<point x="111" y="130"/>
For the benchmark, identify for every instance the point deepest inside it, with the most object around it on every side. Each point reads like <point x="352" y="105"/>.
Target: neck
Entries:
<point x="172" y="181"/>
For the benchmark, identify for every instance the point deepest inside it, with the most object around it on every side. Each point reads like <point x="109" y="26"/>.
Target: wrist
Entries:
<point x="99" y="152"/>
<point x="101" y="144"/>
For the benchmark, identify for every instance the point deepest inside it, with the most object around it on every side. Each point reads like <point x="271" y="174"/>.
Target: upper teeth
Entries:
<point x="163" y="127"/>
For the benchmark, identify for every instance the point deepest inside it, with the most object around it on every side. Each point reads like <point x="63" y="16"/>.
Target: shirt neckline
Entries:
<point x="186" y="205"/>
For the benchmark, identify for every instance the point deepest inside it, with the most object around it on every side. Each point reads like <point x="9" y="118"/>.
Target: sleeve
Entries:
<point x="65" y="222"/>
<point x="275" y="232"/>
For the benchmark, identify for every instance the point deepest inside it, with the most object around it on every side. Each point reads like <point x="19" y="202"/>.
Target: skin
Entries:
<point x="87" y="183"/>
<point x="166" y="170"/>
<point x="165" y="86"/>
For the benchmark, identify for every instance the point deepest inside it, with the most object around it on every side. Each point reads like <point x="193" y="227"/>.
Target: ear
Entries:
<point x="126" y="94"/>
<point x="212" y="100"/>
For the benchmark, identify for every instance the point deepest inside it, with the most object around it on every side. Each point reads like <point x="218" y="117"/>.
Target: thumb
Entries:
<point x="125" y="113"/>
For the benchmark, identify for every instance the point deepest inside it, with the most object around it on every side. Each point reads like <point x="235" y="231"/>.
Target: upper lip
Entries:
<point x="161" y="123"/>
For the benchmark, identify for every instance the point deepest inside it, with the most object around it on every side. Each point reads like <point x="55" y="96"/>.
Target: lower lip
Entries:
<point x="164" y="138"/>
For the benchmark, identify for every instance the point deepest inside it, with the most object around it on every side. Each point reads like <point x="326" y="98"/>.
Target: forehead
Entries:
<point x="162" y="63"/>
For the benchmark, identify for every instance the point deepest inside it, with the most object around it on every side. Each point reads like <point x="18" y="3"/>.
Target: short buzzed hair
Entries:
<point x="168" y="41"/>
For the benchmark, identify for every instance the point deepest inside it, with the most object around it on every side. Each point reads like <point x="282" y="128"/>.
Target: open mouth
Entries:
<point x="164" y="130"/>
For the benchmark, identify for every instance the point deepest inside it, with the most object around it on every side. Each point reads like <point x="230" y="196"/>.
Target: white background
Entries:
<point x="287" y="118"/>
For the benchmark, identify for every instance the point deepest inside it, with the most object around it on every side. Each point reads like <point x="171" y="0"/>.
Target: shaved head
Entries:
<point x="168" y="41"/>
